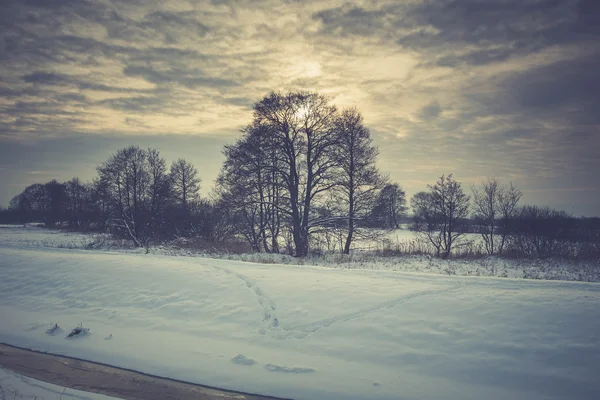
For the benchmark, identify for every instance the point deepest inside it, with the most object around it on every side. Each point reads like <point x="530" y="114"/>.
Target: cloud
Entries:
<point x="432" y="110"/>
<point x="191" y="77"/>
<point x="501" y="87"/>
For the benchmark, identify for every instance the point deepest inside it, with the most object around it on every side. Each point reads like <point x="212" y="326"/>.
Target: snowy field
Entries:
<point x="306" y="332"/>
<point x="37" y="236"/>
<point x="588" y="271"/>
<point x="17" y="387"/>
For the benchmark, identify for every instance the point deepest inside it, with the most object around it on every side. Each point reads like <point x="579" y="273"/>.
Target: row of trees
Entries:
<point x="301" y="167"/>
<point x="445" y="215"/>
<point x="300" y="170"/>
<point x="442" y="214"/>
<point x="134" y="195"/>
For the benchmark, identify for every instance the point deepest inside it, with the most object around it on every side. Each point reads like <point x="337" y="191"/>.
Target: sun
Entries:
<point x="302" y="112"/>
<point x="311" y="69"/>
<point x="306" y="69"/>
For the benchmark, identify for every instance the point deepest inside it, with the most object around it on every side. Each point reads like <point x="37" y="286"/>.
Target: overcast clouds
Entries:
<point x="475" y="87"/>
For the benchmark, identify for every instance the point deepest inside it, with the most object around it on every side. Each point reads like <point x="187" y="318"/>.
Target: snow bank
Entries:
<point x="307" y="332"/>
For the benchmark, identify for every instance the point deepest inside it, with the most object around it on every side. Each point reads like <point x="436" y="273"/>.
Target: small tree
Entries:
<point x="439" y="213"/>
<point x="494" y="205"/>
<point x="508" y="198"/>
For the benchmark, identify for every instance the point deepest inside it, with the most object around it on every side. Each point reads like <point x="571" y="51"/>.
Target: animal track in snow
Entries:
<point x="271" y="323"/>
<point x="288" y="370"/>
<point x="301" y="331"/>
<point x="269" y="317"/>
<point x="324" y="323"/>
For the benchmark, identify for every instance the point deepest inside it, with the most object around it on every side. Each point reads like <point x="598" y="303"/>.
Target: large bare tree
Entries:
<point x="302" y="129"/>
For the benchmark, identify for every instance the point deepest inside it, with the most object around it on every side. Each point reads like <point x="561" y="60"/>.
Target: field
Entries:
<point x="302" y="331"/>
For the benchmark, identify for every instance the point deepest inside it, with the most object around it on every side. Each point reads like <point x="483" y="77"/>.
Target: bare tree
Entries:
<point x="508" y="198"/>
<point x="248" y="187"/>
<point x="159" y="192"/>
<point x="185" y="181"/>
<point x="494" y="205"/>
<point x="439" y="212"/>
<point x="125" y="179"/>
<point x="77" y="196"/>
<point x="359" y="179"/>
<point x="301" y="126"/>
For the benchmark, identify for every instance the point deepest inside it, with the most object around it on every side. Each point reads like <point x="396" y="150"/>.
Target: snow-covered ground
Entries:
<point x="38" y="236"/>
<point x="306" y="332"/>
<point x="18" y="387"/>
<point x="588" y="271"/>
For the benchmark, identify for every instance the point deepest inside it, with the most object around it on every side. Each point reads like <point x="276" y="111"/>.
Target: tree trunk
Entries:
<point x="350" y="217"/>
<point x="349" y="237"/>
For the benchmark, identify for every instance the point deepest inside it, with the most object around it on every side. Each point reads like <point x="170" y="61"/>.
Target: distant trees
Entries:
<point x="303" y="173"/>
<point x="185" y="182"/>
<point x="440" y="212"/>
<point x="160" y="193"/>
<point x="145" y="201"/>
<point x="134" y="195"/>
<point x="77" y="201"/>
<point x="32" y="202"/>
<point x="56" y="198"/>
<point x="390" y="207"/>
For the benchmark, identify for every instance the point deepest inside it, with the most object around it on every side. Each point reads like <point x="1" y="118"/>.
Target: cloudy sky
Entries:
<point x="506" y="88"/>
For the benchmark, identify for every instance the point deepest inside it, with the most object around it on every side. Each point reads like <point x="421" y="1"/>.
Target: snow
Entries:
<point x="38" y="236"/>
<point x="306" y="332"/>
<point x="15" y="386"/>
<point x="587" y="271"/>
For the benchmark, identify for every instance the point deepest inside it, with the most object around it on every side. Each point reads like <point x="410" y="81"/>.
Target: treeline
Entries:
<point x="445" y="215"/>
<point x="301" y="167"/>
<point x="135" y="196"/>
<point x="301" y="170"/>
